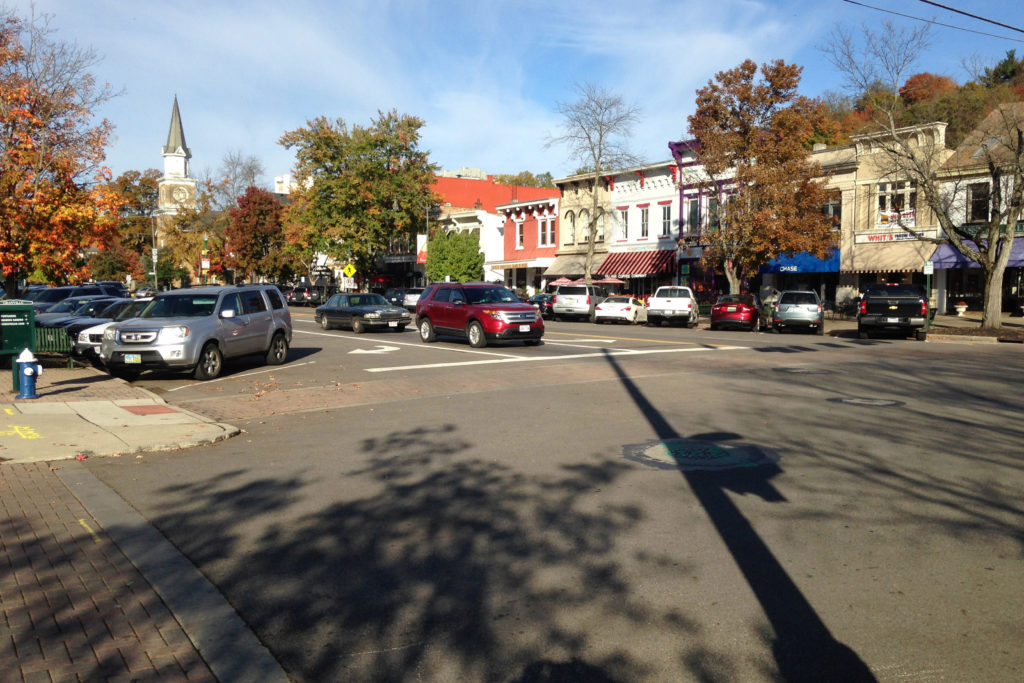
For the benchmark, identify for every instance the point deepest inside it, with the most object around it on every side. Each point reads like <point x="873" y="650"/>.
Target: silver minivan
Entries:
<point x="195" y="329"/>
<point x="577" y="301"/>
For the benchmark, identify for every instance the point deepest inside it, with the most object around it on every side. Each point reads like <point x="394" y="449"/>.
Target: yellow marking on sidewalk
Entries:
<point x="22" y="431"/>
<point x="9" y="411"/>
<point x="95" y="536"/>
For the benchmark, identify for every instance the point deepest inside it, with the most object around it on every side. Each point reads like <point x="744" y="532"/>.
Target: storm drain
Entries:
<point x="693" y="454"/>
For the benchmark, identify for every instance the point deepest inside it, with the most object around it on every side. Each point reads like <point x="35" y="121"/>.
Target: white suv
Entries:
<point x="196" y="329"/>
<point x="577" y="301"/>
<point x="674" y="304"/>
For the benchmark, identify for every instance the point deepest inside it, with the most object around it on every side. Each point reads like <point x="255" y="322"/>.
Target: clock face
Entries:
<point x="180" y="194"/>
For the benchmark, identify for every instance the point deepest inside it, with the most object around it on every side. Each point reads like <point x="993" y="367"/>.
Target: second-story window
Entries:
<point x="693" y="216"/>
<point x="624" y="222"/>
<point x="584" y="226"/>
<point x="569" y="231"/>
<point x="520" y="234"/>
<point x="978" y="202"/>
<point x="666" y="220"/>
<point x="714" y="214"/>
<point x="897" y="202"/>
<point x="834" y="210"/>
<point x="644" y="213"/>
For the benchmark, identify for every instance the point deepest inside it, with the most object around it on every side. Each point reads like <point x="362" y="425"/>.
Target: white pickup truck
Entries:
<point x="672" y="304"/>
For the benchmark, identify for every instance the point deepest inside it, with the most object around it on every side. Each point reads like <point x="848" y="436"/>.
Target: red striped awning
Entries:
<point x="637" y="263"/>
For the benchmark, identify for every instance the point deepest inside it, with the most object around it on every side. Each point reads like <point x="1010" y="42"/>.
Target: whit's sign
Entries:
<point x="901" y="236"/>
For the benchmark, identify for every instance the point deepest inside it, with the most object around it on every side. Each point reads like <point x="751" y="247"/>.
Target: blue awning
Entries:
<point x="946" y="256"/>
<point x="803" y="262"/>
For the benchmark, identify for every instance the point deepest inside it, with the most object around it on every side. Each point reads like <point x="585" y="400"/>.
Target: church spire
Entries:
<point x="176" y="135"/>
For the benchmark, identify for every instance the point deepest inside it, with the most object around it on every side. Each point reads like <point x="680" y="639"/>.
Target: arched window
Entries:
<point x="584" y="226"/>
<point x="570" y="228"/>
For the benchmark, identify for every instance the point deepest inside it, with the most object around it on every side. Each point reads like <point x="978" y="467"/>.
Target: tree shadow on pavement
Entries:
<point x="803" y="647"/>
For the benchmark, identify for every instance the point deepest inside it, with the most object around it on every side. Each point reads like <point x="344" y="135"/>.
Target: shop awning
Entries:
<point x="888" y="257"/>
<point x="804" y="262"/>
<point x="946" y="256"/>
<point x="626" y="263"/>
<point x="572" y="264"/>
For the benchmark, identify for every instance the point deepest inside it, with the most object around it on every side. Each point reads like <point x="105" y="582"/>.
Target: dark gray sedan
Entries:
<point x="361" y="312"/>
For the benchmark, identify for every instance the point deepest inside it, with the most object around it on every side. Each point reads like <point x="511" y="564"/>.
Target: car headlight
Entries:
<point x="83" y="336"/>
<point x="494" y="314"/>
<point x="406" y="314"/>
<point x="109" y="333"/>
<point x="373" y="314"/>
<point x="172" y="335"/>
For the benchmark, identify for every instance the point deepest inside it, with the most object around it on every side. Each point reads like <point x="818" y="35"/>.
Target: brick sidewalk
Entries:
<point x="74" y="607"/>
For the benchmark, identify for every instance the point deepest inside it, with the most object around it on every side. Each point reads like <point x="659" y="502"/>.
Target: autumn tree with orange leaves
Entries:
<point x="54" y="199"/>
<point x="750" y="136"/>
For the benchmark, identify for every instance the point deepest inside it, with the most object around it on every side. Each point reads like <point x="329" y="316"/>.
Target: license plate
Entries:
<point x="392" y="323"/>
<point x="132" y="358"/>
<point x="524" y="328"/>
<point x="892" y="320"/>
<point x="730" y="308"/>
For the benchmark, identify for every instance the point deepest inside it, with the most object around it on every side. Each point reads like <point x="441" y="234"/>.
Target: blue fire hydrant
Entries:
<point x="28" y="370"/>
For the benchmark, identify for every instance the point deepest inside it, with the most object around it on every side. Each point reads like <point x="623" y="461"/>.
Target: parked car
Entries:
<point x="112" y="288"/>
<point x="411" y="297"/>
<point x="902" y="307"/>
<point x="673" y="304"/>
<point x="69" y="308"/>
<point x="543" y="303"/>
<point x="54" y="295"/>
<point x="361" y="312"/>
<point x="621" y="309"/>
<point x="196" y="329"/>
<point x="796" y="310"/>
<point x="86" y="334"/>
<point x="478" y="311"/>
<point x="145" y="292"/>
<point x="577" y="301"/>
<point x="736" y="310"/>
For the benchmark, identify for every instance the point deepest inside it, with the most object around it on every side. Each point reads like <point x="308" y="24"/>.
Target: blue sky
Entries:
<point x="485" y="76"/>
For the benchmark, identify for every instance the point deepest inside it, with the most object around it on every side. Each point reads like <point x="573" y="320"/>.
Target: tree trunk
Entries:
<point x="591" y="233"/>
<point x="732" y="276"/>
<point x="992" y="314"/>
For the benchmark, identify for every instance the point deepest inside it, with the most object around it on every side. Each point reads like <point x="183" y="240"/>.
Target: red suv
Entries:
<point x="478" y="311"/>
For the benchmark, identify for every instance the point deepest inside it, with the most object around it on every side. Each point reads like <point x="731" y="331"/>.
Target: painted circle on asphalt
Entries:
<point x="693" y="455"/>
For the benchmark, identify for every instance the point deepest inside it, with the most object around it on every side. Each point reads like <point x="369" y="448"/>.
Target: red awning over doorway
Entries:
<point x="637" y="263"/>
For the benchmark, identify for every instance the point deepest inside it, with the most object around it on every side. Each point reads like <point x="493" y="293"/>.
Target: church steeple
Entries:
<point x="176" y="152"/>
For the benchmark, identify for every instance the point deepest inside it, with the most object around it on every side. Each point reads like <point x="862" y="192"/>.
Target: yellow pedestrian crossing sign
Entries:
<point x="349" y="270"/>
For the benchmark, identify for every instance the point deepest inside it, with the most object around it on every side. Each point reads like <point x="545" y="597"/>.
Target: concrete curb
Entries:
<point x="230" y="648"/>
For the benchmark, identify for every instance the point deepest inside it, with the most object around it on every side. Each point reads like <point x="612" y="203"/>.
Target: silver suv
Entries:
<point x="196" y="329"/>
<point x="577" y="301"/>
<point x="796" y="310"/>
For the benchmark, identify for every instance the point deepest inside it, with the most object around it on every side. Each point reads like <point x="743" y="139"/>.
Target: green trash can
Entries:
<point x="17" y="333"/>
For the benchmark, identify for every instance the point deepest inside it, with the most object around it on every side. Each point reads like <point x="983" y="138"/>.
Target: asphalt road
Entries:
<point x="618" y="504"/>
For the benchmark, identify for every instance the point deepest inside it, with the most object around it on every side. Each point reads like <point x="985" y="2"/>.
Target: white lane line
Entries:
<point x="276" y="368"/>
<point x="418" y="345"/>
<point x="529" y="359"/>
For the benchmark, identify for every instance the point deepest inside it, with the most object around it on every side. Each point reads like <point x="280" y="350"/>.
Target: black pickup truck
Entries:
<point x="893" y="306"/>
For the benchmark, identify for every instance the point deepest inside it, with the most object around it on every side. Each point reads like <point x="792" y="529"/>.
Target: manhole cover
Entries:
<point x="692" y="454"/>
<point x="873" y="402"/>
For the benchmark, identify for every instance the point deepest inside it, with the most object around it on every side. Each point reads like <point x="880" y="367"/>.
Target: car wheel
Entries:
<point x="357" y="325"/>
<point x="278" y="351"/>
<point x="921" y="335"/>
<point x="476" y="336"/>
<point x="427" y="330"/>
<point x="863" y="334"/>
<point x="821" y="330"/>
<point x="210" y="362"/>
<point x="714" y="327"/>
<point x="323" y="322"/>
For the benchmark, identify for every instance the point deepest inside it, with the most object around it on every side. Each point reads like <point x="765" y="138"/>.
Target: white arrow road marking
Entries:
<point x="378" y="349"/>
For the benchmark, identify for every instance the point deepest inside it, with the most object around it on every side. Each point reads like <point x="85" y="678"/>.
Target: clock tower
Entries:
<point x="177" y="191"/>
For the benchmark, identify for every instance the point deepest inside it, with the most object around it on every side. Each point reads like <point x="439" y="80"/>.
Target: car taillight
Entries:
<point x="554" y="300"/>
<point x="862" y="307"/>
<point x="588" y="300"/>
<point x="924" y="307"/>
<point x="628" y="309"/>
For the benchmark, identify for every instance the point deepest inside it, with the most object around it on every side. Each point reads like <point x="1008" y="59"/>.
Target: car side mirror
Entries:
<point x="228" y="313"/>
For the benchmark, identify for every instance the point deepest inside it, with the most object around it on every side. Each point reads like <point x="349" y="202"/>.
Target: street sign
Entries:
<point x="929" y="267"/>
<point x="349" y="270"/>
<point x="155" y="251"/>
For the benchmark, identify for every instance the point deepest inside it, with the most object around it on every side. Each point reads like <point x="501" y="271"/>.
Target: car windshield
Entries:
<point x="490" y="295"/>
<point x="181" y="305"/>
<point x="617" y="300"/>
<point x="91" y="308"/>
<point x="798" y="298"/>
<point x="675" y="292"/>
<point x="132" y="310"/>
<point x="575" y="291"/>
<point x="736" y="299"/>
<point x="895" y="290"/>
<point x="66" y="306"/>
<point x="367" y="300"/>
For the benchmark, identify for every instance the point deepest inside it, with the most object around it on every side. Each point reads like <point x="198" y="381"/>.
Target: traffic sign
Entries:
<point x="349" y="270"/>
<point x="929" y="267"/>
